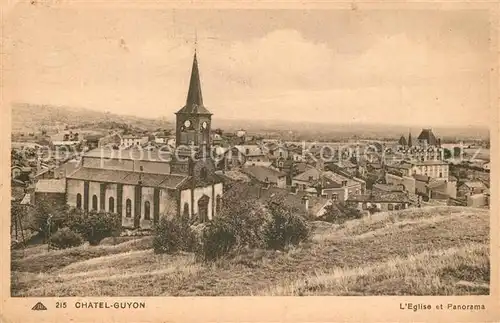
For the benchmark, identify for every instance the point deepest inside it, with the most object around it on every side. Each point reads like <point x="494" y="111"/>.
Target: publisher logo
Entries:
<point x="39" y="307"/>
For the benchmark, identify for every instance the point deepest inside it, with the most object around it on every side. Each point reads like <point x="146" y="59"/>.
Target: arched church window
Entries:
<point x="147" y="211"/>
<point x="128" y="208"/>
<point x="111" y="203"/>
<point x="78" y="201"/>
<point x="94" y="202"/>
<point x="203" y="208"/>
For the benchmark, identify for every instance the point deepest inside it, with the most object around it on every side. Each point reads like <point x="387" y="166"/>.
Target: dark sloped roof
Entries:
<point x="261" y="173"/>
<point x="421" y="178"/>
<point x="402" y="141"/>
<point x="133" y="153"/>
<point x="128" y="177"/>
<point x="428" y="135"/>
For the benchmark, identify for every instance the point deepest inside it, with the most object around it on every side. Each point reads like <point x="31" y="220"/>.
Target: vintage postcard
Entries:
<point x="257" y="161"/>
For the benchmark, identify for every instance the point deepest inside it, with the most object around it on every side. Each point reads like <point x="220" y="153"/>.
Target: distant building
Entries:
<point x="380" y="200"/>
<point x="328" y="184"/>
<point x="133" y="140"/>
<point x="407" y="183"/>
<point x="92" y="141"/>
<point x="249" y="155"/>
<point x="471" y="188"/>
<point x="266" y="176"/>
<point x="276" y="150"/>
<point x="427" y="137"/>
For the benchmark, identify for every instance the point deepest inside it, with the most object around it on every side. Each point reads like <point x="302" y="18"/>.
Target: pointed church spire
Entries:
<point x="409" y="139"/>
<point x="194" y="97"/>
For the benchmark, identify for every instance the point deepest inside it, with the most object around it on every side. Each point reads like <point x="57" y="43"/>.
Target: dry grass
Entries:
<point x="427" y="273"/>
<point x="419" y="252"/>
<point x="44" y="261"/>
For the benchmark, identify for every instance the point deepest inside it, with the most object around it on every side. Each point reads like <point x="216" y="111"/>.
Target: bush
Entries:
<point x="284" y="228"/>
<point x="95" y="226"/>
<point x="42" y="211"/>
<point x="65" y="238"/>
<point x="172" y="235"/>
<point x="218" y="239"/>
<point x="238" y="225"/>
<point x="339" y="213"/>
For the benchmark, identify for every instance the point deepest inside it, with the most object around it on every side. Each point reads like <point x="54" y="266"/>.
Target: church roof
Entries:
<point x="402" y="141"/>
<point x="428" y="135"/>
<point x="194" y="101"/>
<point x="171" y="181"/>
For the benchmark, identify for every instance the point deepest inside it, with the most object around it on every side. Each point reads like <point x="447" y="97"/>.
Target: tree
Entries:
<point x="447" y="153"/>
<point x="284" y="227"/>
<point x="45" y="209"/>
<point x="94" y="226"/>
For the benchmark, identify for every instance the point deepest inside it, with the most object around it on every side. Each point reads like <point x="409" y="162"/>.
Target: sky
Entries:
<point x="340" y="66"/>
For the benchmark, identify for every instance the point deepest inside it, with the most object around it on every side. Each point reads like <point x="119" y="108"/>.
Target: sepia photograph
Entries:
<point x="249" y="152"/>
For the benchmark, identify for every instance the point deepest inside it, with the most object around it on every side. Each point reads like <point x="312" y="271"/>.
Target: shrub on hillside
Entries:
<point x="218" y="239"/>
<point x="172" y="235"/>
<point x="45" y="209"/>
<point x="65" y="238"/>
<point x="239" y="224"/>
<point x="95" y="226"/>
<point x="339" y="213"/>
<point x="284" y="228"/>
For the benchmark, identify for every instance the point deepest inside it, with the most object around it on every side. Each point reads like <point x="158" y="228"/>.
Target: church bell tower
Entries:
<point x="193" y="123"/>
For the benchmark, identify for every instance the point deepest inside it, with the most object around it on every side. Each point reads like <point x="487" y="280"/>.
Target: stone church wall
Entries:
<point x="73" y="188"/>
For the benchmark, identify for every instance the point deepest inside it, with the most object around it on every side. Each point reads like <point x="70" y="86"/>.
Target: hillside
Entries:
<point x="428" y="251"/>
<point x="32" y="117"/>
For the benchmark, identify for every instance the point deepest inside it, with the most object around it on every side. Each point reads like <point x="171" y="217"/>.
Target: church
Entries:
<point x="144" y="185"/>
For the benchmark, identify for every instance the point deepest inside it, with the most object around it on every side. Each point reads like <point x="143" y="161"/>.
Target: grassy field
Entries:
<point x="428" y="251"/>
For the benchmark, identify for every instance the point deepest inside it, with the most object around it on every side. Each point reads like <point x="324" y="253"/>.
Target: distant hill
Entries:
<point x="32" y="117"/>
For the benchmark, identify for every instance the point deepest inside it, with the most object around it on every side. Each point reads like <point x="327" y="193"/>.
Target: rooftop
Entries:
<point x="428" y="135"/>
<point x="162" y="154"/>
<point x="262" y="173"/>
<point x="475" y="184"/>
<point x="170" y="181"/>
<point x="253" y="150"/>
<point x="51" y="186"/>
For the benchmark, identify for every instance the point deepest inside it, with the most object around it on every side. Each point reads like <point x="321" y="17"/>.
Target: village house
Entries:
<point x="266" y="176"/>
<point x="92" y="140"/>
<point x="250" y="155"/>
<point x="133" y="140"/>
<point x="328" y="184"/>
<point x="277" y="151"/>
<point x="380" y="201"/>
<point x="470" y="188"/>
<point x="407" y="183"/>
<point x="50" y="190"/>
